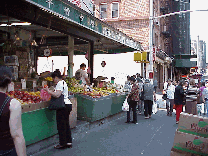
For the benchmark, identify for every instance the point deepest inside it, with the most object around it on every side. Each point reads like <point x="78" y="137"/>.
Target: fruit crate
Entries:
<point x="38" y="125"/>
<point x="93" y="109"/>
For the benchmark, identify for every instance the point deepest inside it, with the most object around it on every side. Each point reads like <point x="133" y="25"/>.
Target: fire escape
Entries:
<point x="165" y="8"/>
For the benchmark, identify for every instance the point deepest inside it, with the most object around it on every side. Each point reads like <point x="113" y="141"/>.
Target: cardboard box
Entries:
<point x="190" y="143"/>
<point x="179" y="153"/>
<point x="193" y="124"/>
<point x="73" y="113"/>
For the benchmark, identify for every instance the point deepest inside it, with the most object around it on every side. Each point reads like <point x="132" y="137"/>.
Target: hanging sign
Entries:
<point x="47" y="52"/>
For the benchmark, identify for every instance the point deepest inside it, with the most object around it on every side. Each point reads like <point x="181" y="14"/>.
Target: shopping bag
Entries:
<point x="125" y="106"/>
<point x="200" y="109"/>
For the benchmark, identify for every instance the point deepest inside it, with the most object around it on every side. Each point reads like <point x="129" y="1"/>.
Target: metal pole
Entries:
<point x="151" y="38"/>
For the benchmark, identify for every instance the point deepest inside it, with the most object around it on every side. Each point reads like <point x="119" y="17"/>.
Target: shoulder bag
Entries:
<point x="4" y="104"/>
<point x="57" y="103"/>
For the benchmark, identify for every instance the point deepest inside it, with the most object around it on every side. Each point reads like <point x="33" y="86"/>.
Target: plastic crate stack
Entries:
<point x="191" y="137"/>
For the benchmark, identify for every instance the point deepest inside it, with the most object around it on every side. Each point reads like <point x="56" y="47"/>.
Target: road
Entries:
<point x="150" y="137"/>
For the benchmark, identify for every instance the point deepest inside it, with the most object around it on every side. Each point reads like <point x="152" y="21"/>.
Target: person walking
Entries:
<point x="179" y="99"/>
<point x="148" y="98"/>
<point x="81" y="75"/>
<point x="205" y="98"/>
<point x="134" y="98"/>
<point x="127" y="86"/>
<point x="191" y="98"/>
<point x="141" y="101"/>
<point x="155" y="85"/>
<point x="170" y="98"/>
<point x="62" y="115"/>
<point x="12" y="142"/>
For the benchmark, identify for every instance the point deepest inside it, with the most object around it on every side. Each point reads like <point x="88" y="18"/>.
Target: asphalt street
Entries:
<point x="150" y="137"/>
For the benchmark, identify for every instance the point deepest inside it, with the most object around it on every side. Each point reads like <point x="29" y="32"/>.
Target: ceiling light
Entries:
<point x="4" y="25"/>
<point x="24" y="23"/>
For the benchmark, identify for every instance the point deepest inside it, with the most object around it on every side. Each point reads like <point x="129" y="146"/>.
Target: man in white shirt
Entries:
<point x="170" y="90"/>
<point x="81" y="74"/>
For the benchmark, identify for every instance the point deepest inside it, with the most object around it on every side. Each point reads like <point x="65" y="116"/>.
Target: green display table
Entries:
<point x="117" y="102"/>
<point x="93" y="109"/>
<point x="38" y="125"/>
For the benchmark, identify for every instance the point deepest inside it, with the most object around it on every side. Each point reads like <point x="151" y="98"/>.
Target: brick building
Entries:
<point x="171" y="35"/>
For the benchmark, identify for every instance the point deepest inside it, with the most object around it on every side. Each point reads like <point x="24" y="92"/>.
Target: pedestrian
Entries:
<point x="141" y="101"/>
<point x="205" y="97"/>
<point x="148" y="98"/>
<point x="155" y="85"/>
<point x="134" y="98"/>
<point x="200" y="92"/>
<point x="170" y="98"/>
<point x="127" y="86"/>
<point x="179" y="99"/>
<point x="62" y="115"/>
<point x="81" y="75"/>
<point x="12" y="142"/>
<point x="191" y="98"/>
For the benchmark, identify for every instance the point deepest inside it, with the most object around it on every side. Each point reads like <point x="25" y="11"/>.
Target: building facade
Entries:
<point x="171" y="34"/>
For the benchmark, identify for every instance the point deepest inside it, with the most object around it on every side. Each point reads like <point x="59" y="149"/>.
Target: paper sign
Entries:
<point x="11" y="87"/>
<point x="23" y="81"/>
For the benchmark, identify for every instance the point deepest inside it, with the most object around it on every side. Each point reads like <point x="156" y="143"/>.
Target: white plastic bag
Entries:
<point x="125" y="106"/>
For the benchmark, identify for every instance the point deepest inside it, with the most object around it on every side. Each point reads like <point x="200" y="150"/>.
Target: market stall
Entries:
<point x="36" y="33"/>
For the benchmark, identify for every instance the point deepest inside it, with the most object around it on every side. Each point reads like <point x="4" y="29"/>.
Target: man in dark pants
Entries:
<point x="148" y="98"/>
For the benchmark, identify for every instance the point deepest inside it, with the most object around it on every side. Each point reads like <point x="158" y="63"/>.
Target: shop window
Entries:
<point x="114" y="10"/>
<point x="103" y="11"/>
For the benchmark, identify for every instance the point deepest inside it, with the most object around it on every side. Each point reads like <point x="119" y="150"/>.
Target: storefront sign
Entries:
<point x="64" y="9"/>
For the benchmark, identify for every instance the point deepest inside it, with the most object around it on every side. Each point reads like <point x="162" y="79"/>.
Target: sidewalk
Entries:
<point x="80" y="130"/>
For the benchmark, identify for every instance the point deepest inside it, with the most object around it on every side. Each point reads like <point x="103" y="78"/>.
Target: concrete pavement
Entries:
<point x="152" y="136"/>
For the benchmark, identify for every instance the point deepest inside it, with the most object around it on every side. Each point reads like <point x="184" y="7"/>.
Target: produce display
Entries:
<point x="95" y="92"/>
<point x="25" y="97"/>
<point x="49" y="79"/>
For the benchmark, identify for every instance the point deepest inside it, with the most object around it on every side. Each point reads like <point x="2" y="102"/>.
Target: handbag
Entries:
<point x="125" y="106"/>
<point x="57" y="103"/>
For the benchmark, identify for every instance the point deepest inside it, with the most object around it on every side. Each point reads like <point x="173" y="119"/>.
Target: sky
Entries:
<point x="199" y="22"/>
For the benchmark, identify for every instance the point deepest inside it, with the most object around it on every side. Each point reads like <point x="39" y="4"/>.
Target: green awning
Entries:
<point x="185" y="63"/>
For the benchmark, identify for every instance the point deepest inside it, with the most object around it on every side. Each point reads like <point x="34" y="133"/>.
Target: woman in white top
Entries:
<point x="62" y="115"/>
<point x="170" y="90"/>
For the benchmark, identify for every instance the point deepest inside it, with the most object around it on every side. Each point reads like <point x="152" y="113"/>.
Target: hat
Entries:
<point x="147" y="81"/>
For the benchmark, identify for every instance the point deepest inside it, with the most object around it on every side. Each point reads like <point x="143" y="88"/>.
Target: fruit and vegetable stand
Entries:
<point x="38" y="122"/>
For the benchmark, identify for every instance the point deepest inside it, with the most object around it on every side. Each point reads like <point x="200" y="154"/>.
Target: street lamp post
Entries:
<point x="151" y="41"/>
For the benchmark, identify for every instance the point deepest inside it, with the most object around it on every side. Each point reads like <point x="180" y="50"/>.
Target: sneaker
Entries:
<point x="177" y="122"/>
<point x="146" y="117"/>
<point x="140" y="113"/>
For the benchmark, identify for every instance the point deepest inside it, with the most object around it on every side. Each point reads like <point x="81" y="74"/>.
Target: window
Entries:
<point x="115" y="10"/>
<point x="103" y="11"/>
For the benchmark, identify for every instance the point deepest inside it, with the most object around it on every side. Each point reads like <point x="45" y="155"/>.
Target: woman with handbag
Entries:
<point x="12" y="142"/>
<point x="62" y="114"/>
<point x="134" y="98"/>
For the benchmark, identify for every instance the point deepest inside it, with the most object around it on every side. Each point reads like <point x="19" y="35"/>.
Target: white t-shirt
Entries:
<point x="59" y="86"/>
<point x="83" y="75"/>
<point x="170" y="91"/>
